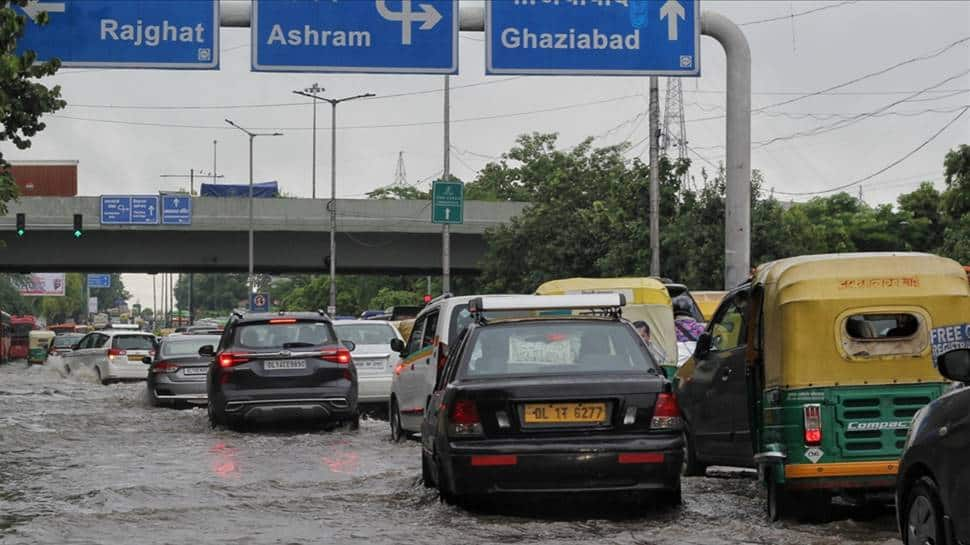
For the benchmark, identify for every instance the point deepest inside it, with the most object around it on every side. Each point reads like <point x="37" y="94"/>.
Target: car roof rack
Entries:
<point x="609" y="303"/>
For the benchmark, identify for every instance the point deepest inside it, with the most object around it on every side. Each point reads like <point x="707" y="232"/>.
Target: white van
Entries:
<point x="425" y="352"/>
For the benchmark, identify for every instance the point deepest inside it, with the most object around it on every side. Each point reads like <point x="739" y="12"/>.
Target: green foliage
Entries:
<point x="388" y="297"/>
<point x="11" y="301"/>
<point x="214" y="294"/>
<point x="402" y="192"/>
<point x="23" y="101"/>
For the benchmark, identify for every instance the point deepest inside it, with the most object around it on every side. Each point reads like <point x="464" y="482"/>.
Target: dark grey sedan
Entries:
<point x="176" y="376"/>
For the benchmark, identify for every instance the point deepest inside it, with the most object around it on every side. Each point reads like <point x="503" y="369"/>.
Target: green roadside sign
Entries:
<point x="447" y="202"/>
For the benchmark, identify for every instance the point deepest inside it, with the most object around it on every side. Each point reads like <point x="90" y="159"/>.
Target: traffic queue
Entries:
<point x="832" y="375"/>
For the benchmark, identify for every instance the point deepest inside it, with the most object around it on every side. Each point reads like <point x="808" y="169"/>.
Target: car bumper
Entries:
<point x="640" y="464"/>
<point x="291" y="403"/>
<point x="124" y="372"/>
<point x="376" y="389"/>
<point x="166" y="389"/>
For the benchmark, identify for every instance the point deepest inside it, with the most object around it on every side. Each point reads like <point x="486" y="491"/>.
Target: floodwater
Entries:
<point x="84" y="463"/>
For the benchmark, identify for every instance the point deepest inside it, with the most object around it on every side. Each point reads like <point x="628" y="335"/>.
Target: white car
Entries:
<point x="372" y="356"/>
<point x="425" y="352"/>
<point x="112" y="355"/>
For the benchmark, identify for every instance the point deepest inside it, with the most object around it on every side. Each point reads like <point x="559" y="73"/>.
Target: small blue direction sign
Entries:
<point x="144" y="210"/>
<point x="391" y="36"/>
<point x="99" y="281"/>
<point x="116" y="34"/>
<point x="129" y="209"/>
<point x="176" y="210"/>
<point x="259" y="302"/>
<point x="593" y="37"/>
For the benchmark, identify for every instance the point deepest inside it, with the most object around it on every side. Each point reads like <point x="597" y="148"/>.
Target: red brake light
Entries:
<point x="338" y="355"/>
<point x="283" y="321"/>
<point x="113" y="352"/>
<point x="813" y="424"/>
<point x="227" y="359"/>
<point x="666" y="413"/>
<point x="164" y="367"/>
<point x="464" y="411"/>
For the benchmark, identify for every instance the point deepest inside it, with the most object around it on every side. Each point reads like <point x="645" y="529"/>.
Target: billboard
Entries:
<point x="44" y="285"/>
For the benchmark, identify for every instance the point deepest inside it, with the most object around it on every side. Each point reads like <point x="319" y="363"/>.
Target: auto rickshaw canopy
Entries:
<point x="647" y="299"/>
<point x="808" y="302"/>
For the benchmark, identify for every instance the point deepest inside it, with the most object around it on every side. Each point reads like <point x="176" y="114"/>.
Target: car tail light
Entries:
<point x="164" y="367"/>
<point x="337" y="355"/>
<point x="464" y="419"/>
<point x="228" y="359"/>
<point x="641" y="458"/>
<point x="283" y="321"/>
<point x="492" y="460"/>
<point x="116" y="353"/>
<point x="666" y="413"/>
<point x="813" y="424"/>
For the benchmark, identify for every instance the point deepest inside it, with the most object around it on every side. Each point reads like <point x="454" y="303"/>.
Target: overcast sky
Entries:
<point x="112" y="122"/>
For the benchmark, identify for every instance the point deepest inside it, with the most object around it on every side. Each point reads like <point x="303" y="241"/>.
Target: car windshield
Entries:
<point x="133" y="342"/>
<point x="363" y="334"/>
<point x="186" y="346"/>
<point x="267" y="335"/>
<point x="536" y="348"/>
<point x="66" y="341"/>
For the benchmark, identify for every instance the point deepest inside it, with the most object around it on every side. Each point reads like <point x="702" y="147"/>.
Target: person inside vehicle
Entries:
<point x="656" y="352"/>
<point x="688" y="329"/>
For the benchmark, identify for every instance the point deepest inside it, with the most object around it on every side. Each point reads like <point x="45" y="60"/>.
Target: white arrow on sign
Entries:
<point x="34" y="8"/>
<point x="672" y="10"/>
<point x="447" y="214"/>
<point x="429" y="16"/>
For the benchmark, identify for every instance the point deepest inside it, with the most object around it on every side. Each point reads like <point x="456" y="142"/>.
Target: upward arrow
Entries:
<point x="34" y="8"/>
<point x="672" y="10"/>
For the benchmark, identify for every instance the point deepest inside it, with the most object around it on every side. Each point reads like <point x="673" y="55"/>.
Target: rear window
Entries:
<point x="365" y="333"/>
<point x="186" y="347"/>
<point x="555" y="348"/>
<point x="66" y="341"/>
<point x="872" y="335"/>
<point x="133" y="342"/>
<point x="283" y="335"/>
<point x="869" y="327"/>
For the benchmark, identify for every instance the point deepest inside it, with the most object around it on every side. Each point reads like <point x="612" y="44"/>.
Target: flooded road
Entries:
<point x="83" y="463"/>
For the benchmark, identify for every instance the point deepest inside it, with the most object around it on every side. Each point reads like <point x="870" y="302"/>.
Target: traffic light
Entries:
<point x="78" y="225"/>
<point x="21" y="224"/>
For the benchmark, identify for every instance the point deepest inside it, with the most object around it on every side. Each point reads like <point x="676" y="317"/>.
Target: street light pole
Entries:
<point x="252" y="137"/>
<point x="312" y="92"/>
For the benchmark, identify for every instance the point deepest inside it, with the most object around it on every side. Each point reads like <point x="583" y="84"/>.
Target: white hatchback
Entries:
<point x="112" y="355"/>
<point x="372" y="356"/>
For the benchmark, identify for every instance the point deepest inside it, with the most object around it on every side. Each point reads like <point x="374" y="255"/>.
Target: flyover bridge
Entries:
<point x="291" y="235"/>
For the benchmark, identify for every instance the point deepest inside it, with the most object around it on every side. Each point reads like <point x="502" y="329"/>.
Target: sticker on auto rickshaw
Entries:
<point x="949" y="338"/>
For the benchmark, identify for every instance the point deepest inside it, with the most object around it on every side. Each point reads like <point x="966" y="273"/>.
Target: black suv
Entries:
<point x="276" y="366"/>
<point x="933" y="487"/>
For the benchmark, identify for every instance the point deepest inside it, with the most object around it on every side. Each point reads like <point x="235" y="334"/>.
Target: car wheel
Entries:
<point x="217" y="418"/>
<point x="778" y="501"/>
<point x="152" y="398"/>
<point x="97" y="372"/>
<point x="426" y="477"/>
<point x="353" y="424"/>
<point x="397" y="432"/>
<point x="692" y="466"/>
<point x="924" y="515"/>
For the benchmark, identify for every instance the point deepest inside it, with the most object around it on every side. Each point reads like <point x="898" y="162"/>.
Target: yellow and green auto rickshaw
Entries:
<point x="647" y="300"/>
<point x="39" y="343"/>
<point x="812" y="371"/>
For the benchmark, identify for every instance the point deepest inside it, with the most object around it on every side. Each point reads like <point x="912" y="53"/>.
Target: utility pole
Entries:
<point x="215" y="143"/>
<point x="446" y="175"/>
<point x="252" y="136"/>
<point x="154" y="304"/>
<point x="312" y="92"/>
<point x="654" y="177"/>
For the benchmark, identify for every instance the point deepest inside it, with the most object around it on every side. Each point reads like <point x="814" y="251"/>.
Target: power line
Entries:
<point x="885" y="168"/>
<point x="799" y="14"/>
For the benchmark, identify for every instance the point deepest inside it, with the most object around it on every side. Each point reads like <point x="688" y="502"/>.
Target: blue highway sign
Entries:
<point x="115" y="210"/>
<point x="99" y="280"/>
<point x="116" y="34"/>
<point x="389" y="36"/>
<point x="176" y="210"/>
<point x="144" y="210"/>
<point x="593" y="37"/>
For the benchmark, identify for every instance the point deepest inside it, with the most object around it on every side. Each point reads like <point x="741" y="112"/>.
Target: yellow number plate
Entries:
<point x="565" y="413"/>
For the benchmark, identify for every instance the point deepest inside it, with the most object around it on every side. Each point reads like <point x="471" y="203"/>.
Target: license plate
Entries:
<point x="369" y="364"/>
<point x="195" y="370"/>
<point x="132" y="357"/>
<point x="565" y="413"/>
<point x="277" y="365"/>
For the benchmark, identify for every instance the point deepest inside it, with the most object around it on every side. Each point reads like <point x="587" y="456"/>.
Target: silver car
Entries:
<point x="177" y="373"/>
<point x="373" y="357"/>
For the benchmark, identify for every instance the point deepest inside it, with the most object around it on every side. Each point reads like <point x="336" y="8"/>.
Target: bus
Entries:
<point x="21" y="327"/>
<point x="6" y="330"/>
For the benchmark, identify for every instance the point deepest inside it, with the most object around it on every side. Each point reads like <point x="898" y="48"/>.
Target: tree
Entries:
<point x="955" y="205"/>
<point x="388" y="297"/>
<point x="214" y="294"/>
<point x="23" y="101"/>
<point x="401" y="192"/>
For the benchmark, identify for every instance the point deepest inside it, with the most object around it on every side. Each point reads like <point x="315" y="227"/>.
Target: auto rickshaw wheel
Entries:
<point x="779" y="501"/>
<point x="692" y="466"/>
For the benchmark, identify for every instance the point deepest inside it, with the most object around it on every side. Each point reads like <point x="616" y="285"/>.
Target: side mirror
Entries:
<point x="703" y="347"/>
<point x="207" y="351"/>
<point x="350" y="345"/>
<point x="147" y="360"/>
<point x="76" y="346"/>
<point x="955" y="365"/>
<point x="397" y="345"/>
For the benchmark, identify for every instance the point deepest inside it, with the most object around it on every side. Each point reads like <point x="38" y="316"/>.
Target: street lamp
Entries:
<point x="332" y="205"/>
<point x="252" y="136"/>
<point x="312" y="92"/>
